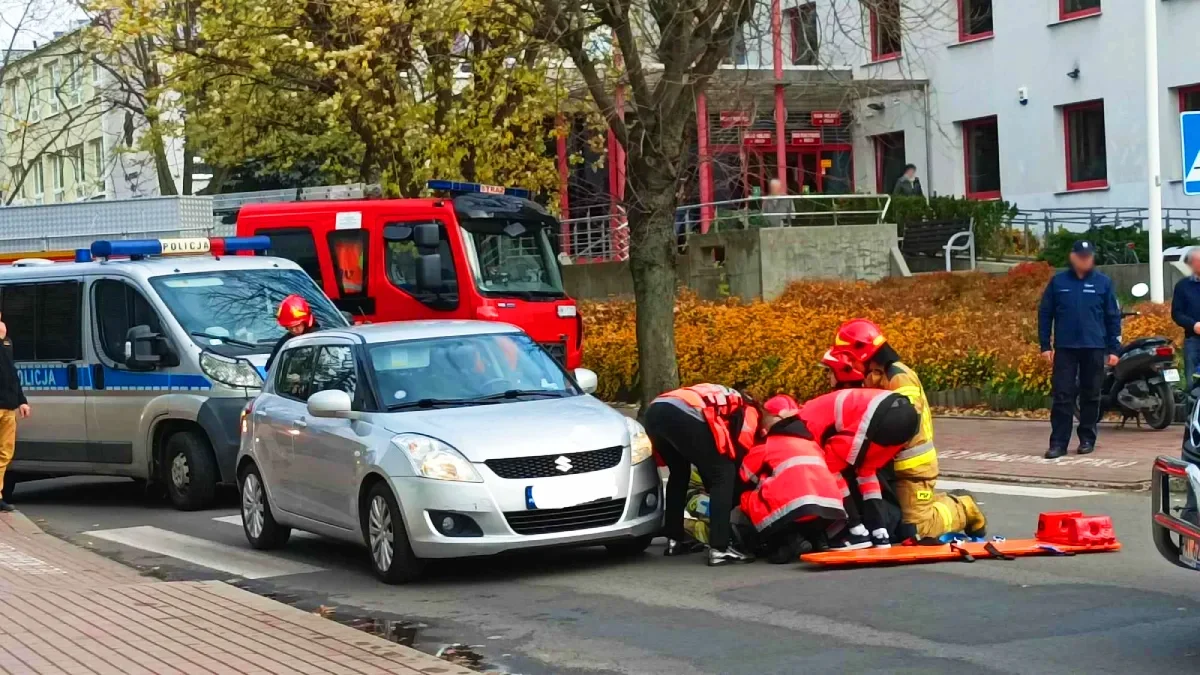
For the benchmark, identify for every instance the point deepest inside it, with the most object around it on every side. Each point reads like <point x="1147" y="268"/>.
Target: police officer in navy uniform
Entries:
<point x="1080" y="309"/>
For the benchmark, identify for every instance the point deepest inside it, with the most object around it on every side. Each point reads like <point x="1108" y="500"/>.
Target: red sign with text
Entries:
<point x="826" y="118"/>
<point x="758" y="138"/>
<point x="734" y="118"/>
<point x="806" y="138"/>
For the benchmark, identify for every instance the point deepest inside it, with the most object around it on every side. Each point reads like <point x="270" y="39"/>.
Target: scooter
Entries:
<point x="1142" y="384"/>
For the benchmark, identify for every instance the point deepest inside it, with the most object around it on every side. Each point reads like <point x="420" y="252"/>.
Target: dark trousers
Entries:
<point x="1078" y="374"/>
<point x="1191" y="361"/>
<point x="683" y="441"/>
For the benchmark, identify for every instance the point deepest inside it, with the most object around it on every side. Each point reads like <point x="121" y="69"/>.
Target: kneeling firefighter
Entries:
<point x="929" y="513"/>
<point x="711" y="427"/>
<point x="861" y="430"/>
<point x="793" y="495"/>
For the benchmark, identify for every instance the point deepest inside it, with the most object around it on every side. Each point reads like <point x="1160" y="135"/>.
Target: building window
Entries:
<point x="802" y="29"/>
<point x="54" y="74"/>
<point x="33" y="98"/>
<point x="981" y="158"/>
<point x="58" y="168"/>
<point x="889" y="161"/>
<point x="78" y="171"/>
<point x="96" y="150"/>
<point x="737" y="50"/>
<point x="16" y="105"/>
<point x="39" y="180"/>
<point x="974" y="19"/>
<point x="1189" y="98"/>
<point x="74" y="81"/>
<point x="1073" y="9"/>
<point x="1087" y="161"/>
<point x="885" y="29"/>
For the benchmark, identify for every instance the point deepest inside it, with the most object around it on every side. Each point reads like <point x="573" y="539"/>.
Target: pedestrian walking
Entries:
<point x="908" y="185"/>
<point x="1079" y="309"/>
<point x="1185" y="310"/>
<point x="12" y="406"/>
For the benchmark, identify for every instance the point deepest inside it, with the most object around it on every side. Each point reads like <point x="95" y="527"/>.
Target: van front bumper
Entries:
<point x="490" y="516"/>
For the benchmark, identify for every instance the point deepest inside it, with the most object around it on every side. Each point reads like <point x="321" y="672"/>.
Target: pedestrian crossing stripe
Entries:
<point x="1193" y="174"/>
<point x="1189" y="135"/>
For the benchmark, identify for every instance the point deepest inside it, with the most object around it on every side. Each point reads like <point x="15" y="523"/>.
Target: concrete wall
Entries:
<point x="860" y="252"/>
<point x="1125" y="276"/>
<point x="743" y="265"/>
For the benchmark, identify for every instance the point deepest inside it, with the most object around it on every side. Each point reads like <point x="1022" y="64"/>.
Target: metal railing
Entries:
<point x="600" y="235"/>
<point x="1186" y="220"/>
<point x="786" y="211"/>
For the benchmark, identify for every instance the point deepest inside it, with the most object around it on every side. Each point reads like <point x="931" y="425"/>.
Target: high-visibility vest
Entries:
<point x="718" y="405"/>
<point x="839" y="421"/>
<point x="349" y="255"/>
<point x="790" y="480"/>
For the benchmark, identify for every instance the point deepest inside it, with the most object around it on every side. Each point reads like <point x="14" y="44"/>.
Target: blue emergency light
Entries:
<point x="140" y="248"/>
<point x="479" y="188"/>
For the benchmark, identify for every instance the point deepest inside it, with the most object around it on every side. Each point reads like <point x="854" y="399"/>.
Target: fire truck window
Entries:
<point x="349" y="252"/>
<point x="297" y="245"/>
<point x="401" y="261"/>
<point x="119" y="307"/>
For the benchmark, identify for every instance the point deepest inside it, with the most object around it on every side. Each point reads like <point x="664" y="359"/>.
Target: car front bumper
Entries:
<point x="486" y="505"/>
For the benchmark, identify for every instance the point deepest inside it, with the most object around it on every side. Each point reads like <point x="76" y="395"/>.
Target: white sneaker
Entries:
<point x="880" y="538"/>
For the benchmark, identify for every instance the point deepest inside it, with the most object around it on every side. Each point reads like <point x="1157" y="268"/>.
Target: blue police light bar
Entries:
<point x="83" y="255"/>
<point x="139" y="248"/>
<point x="133" y="247"/>
<point x="463" y="188"/>
<point x="244" y="244"/>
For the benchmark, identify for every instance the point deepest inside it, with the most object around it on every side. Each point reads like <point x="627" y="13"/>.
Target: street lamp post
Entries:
<point x="1153" y="152"/>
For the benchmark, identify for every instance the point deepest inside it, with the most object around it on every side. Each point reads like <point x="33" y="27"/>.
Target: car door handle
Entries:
<point x="299" y="424"/>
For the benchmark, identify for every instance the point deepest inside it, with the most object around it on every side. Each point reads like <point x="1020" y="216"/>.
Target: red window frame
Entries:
<point x="963" y="35"/>
<point x="1064" y="15"/>
<point x="1182" y="93"/>
<point x="879" y="141"/>
<point x="967" y="127"/>
<point x="792" y="16"/>
<point x="1066" y="112"/>
<point x="876" y="55"/>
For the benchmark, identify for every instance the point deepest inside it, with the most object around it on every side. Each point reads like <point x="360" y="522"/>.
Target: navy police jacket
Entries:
<point x="1082" y="313"/>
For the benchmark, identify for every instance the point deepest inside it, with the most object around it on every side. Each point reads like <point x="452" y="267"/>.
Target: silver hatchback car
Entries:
<point x="440" y="439"/>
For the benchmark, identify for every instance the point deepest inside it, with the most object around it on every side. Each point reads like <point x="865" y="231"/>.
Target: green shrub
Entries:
<point x="1112" y="244"/>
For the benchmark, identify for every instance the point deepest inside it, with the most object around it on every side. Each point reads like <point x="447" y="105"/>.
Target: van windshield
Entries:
<point x="512" y="258"/>
<point x="239" y="304"/>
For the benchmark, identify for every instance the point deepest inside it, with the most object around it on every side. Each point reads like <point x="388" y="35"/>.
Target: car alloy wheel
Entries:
<point x="379" y="528"/>
<point x="252" y="505"/>
<point x="180" y="473"/>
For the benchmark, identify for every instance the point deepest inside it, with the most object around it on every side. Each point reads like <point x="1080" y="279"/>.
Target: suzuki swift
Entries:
<point x="440" y="439"/>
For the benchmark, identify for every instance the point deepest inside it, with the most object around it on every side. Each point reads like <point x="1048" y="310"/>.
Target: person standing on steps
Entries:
<point x="908" y="185"/>
<point x="1079" y="310"/>
<point x="12" y="406"/>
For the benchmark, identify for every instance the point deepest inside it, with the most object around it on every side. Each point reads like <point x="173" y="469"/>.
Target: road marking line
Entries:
<point x="1010" y="489"/>
<point x="202" y="552"/>
<point x="236" y="519"/>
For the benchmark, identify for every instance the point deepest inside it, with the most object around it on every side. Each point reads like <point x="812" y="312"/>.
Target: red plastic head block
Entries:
<point x="1091" y="531"/>
<point x="1052" y="526"/>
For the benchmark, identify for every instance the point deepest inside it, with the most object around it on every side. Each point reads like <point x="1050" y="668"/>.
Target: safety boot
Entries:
<point x="976" y="525"/>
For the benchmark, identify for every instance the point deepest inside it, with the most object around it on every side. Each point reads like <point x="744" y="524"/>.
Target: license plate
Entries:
<point x="1189" y="552"/>
<point x="568" y="491"/>
<point x="1171" y="375"/>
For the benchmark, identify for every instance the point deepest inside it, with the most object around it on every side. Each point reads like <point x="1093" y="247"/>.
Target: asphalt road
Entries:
<point x="586" y="612"/>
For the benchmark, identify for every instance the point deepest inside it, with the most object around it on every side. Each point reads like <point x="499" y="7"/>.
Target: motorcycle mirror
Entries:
<point x="1140" y="290"/>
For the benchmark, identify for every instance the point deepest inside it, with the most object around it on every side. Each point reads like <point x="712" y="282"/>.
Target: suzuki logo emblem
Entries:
<point x="563" y="464"/>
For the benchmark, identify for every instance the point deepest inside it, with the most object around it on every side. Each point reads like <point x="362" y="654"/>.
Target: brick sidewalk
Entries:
<point x="65" y="610"/>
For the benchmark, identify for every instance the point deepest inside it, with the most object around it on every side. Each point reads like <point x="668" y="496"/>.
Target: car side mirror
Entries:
<point x="429" y="273"/>
<point x="587" y="380"/>
<point x="333" y="403"/>
<point x="142" y="348"/>
<point x="427" y="235"/>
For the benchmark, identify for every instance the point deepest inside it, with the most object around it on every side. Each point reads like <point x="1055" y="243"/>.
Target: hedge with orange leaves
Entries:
<point x="956" y="330"/>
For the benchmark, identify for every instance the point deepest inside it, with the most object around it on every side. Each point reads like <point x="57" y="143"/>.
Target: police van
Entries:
<point x="139" y="357"/>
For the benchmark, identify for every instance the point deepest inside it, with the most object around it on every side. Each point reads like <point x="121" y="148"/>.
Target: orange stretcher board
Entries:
<point x="906" y="555"/>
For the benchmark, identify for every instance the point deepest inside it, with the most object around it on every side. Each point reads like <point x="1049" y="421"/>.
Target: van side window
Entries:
<point x="400" y="257"/>
<point x="335" y="369"/>
<point x="44" y="320"/>
<point x="119" y="307"/>
<point x="349" y="253"/>
<point x="295" y="244"/>
<point x="295" y="374"/>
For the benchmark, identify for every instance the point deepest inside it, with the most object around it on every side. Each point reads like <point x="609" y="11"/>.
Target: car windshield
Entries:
<point x="240" y="305"/>
<point x="466" y="370"/>
<point x="512" y="258"/>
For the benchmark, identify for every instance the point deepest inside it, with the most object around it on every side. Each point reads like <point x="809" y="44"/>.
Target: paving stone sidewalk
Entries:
<point x="66" y="610"/>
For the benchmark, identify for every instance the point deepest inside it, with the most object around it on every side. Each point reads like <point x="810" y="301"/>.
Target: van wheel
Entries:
<point x="257" y="520"/>
<point x="189" y="471"/>
<point x="392" y="557"/>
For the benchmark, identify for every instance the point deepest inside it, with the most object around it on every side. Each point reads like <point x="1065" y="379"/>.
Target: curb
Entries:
<point x="1079" y="484"/>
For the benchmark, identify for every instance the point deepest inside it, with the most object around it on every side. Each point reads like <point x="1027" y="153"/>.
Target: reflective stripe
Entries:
<point x="749" y="477"/>
<point x="860" y="436"/>
<point x="909" y="453"/>
<point x="838" y="421"/>
<point x="864" y="481"/>
<point x="790" y="463"/>
<point x="947" y="517"/>
<point x="871" y="494"/>
<point x="807" y="500"/>
<point x="919" y="460"/>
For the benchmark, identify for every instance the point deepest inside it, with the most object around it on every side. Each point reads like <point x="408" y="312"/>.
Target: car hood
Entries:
<point x="518" y="429"/>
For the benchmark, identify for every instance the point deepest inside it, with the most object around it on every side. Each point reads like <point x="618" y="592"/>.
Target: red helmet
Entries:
<point x="294" y="311"/>
<point x="845" y="369"/>
<point x="781" y="405"/>
<point x="859" y="338"/>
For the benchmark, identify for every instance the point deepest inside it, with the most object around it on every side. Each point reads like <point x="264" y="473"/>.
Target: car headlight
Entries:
<point x="639" y="442"/>
<point x="435" y="459"/>
<point x="232" y="372"/>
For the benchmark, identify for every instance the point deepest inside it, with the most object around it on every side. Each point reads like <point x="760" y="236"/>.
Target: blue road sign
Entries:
<point x="1189" y="126"/>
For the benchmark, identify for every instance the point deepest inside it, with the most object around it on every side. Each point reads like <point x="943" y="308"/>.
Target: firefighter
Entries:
<point x="929" y="513"/>
<point x="297" y="318"/>
<point x="861" y="430"/>
<point x="711" y="427"/>
<point x="793" y="496"/>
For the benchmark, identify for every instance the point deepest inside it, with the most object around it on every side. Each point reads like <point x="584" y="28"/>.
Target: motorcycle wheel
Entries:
<point x="1161" y="417"/>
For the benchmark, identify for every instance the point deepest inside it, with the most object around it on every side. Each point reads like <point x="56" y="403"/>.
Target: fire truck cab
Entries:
<point x="480" y="253"/>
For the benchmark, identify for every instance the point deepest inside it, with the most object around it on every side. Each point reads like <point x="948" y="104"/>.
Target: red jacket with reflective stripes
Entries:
<point x="839" y="421"/>
<point x="789" y="479"/>
<point x="733" y="423"/>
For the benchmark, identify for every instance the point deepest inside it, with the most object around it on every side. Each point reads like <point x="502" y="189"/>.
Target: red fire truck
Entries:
<point x="480" y="252"/>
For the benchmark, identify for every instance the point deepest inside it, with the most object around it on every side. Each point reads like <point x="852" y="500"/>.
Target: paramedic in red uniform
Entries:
<point x="297" y="318"/>
<point x="793" y="494"/>
<point x="861" y="430"/>
<point x="711" y="427"/>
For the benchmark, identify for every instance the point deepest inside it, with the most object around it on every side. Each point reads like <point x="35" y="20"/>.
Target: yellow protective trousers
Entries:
<point x="932" y="513"/>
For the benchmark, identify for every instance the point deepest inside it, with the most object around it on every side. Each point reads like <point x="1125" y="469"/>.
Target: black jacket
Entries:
<point x="287" y="335"/>
<point x="11" y="395"/>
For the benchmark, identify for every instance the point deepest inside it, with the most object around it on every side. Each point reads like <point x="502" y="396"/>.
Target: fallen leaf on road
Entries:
<point x="324" y="612"/>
